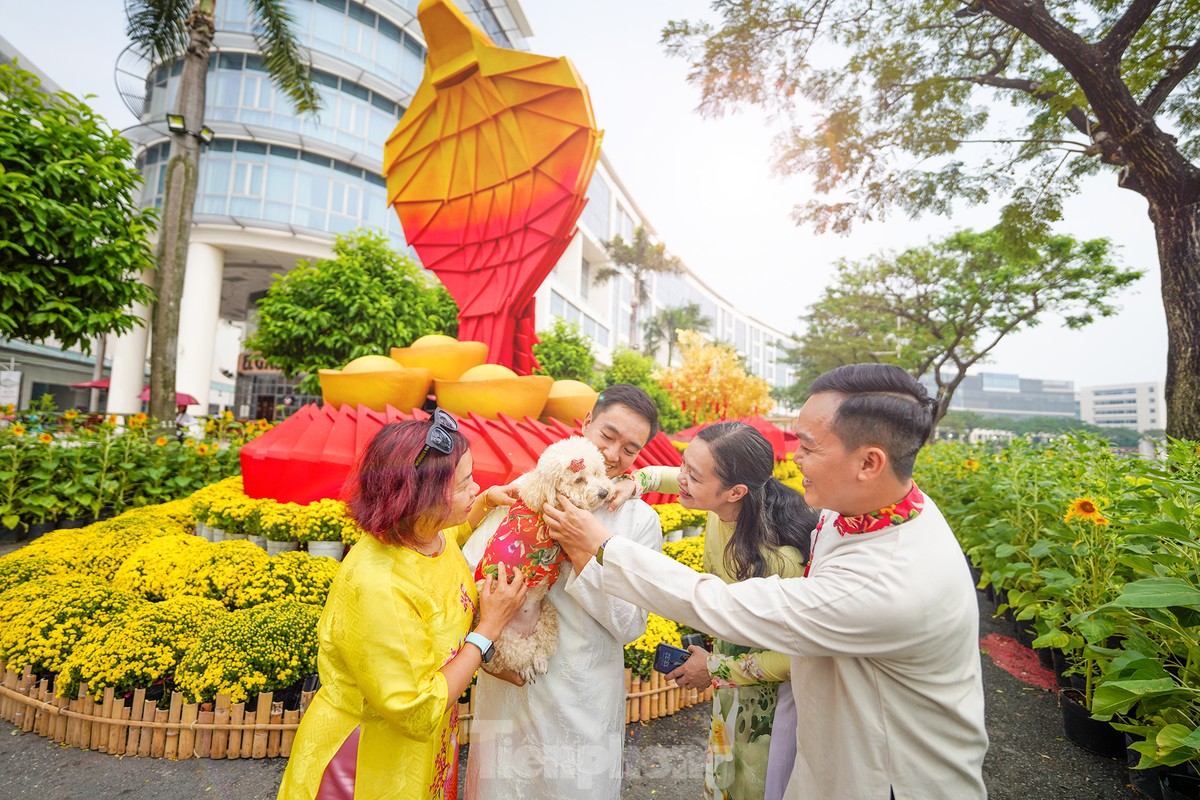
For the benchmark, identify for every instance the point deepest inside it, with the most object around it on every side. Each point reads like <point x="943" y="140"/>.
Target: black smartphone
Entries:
<point x="668" y="659"/>
<point x="696" y="639"/>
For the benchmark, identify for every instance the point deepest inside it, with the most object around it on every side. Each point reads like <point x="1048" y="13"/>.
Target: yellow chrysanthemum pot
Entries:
<point x="445" y="356"/>
<point x="490" y="390"/>
<point x="569" y="401"/>
<point x="376" y="382"/>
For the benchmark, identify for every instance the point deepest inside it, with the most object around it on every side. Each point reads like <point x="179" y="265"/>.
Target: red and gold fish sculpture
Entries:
<point x="488" y="171"/>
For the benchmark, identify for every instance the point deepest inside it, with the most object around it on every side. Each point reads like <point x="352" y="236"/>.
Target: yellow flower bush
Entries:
<point x="16" y="569"/>
<point x="139" y="648"/>
<point x="100" y="548"/>
<point x="670" y="516"/>
<point x="323" y="521"/>
<point x="295" y="575"/>
<point x="42" y="621"/>
<point x="161" y="567"/>
<point x="689" y="552"/>
<point x="639" y="654"/>
<point x="258" y="649"/>
<point x="279" y="521"/>
<point x="219" y="572"/>
<point x="674" y="517"/>
<point x="789" y="474"/>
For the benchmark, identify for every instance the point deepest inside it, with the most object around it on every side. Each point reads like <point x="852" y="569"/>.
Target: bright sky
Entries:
<point x="706" y="185"/>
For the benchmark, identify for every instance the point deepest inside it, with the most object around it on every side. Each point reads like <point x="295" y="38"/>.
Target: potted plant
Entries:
<point x="278" y="523"/>
<point x="321" y="531"/>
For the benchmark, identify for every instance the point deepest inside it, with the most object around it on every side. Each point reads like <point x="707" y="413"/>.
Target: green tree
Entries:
<point x="898" y="100"/>
<point x="564" y="353"/>
<point x="73" y="243"/>
<point x="366" y="299"/>
<point x="639" y="259"/>
<point x="164" y="30"/>
<point x="630" y="366"/>
<point x="664" y="327"/>
<point x="952" y="302"/>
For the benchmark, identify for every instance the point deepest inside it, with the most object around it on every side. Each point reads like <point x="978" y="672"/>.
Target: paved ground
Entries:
<point x="1028" y="758"/>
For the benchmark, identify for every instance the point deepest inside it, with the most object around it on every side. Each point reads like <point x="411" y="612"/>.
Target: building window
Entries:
<point x="585" y="278"/>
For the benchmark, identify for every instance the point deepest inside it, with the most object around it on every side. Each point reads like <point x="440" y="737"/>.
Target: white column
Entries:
<point x="199" y="314"/>
<point x="129" y="366"/>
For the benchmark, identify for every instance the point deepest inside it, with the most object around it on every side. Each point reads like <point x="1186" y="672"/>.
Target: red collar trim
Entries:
<point x="906" y="510"/>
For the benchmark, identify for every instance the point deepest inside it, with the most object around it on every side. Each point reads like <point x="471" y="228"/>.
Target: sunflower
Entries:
<point x="17" y="430"/>
<point x="971" y="464"/>
<point x="202" y="449"/>
<point x="70" y="415"/>
<point x="45" y="438"/>
<point x="1084" y="508"/>
<point x="161" y="441"/>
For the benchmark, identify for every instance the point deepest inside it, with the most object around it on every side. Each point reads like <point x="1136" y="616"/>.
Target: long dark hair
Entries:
<point x="771" y="515"/>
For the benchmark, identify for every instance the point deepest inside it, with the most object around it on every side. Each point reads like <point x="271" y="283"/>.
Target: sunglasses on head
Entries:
<point x="438" y="437"/>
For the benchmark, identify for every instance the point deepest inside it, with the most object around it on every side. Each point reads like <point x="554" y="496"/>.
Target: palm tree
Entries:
<point x="664" y="327"/>
<point x="638" y="259"/>
<point x="164" y="30"/>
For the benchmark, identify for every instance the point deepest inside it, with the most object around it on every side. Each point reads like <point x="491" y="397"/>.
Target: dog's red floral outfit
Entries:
<point x="522" y="541"/>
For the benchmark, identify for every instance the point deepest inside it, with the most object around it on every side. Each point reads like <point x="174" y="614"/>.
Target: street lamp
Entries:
<point x="176" y="124"/>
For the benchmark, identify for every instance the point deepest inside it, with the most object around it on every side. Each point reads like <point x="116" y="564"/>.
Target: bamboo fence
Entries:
<point x="135" y="726"/>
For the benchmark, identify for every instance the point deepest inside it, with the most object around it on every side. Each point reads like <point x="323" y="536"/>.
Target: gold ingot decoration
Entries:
<point x="490" y="390"/>
<point x="376" y="382"/>
<point x="447" y="357"/>
<point x="569" y="401"/>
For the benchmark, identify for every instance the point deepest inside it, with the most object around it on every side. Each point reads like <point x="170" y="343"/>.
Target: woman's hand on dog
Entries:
<point x="694" y="673"/>
<point x="576" y="529"/>
<point x="490" y="499"/>
<point x="624" y="490"/>
<point x="499" y="599"/>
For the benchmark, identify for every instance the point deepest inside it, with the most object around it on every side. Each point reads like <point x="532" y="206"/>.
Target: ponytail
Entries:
<point x="771" y="515"/>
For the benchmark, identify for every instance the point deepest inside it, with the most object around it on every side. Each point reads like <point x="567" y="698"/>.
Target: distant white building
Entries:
<point x="1140" y="406"/>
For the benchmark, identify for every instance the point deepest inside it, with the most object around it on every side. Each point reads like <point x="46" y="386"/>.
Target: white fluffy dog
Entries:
<point x="576" y="468"/>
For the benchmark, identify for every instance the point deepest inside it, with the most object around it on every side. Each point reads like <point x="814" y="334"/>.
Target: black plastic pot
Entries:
<point x="1180" y="786"/>
<point x="38" y="528"/>
<point x="1024" y="634"/>
<point x="9" y="535"/>
<point x="1093" y="735"/>
<point x="1045" y="657"/>
<point x="1059" y="659"/>
<point x="1146" y="781"/>
<point x="81" y="522"/>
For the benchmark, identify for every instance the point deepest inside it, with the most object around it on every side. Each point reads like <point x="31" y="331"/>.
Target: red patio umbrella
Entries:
<point x="100" y="384"/>
<point x="181" y="398"/>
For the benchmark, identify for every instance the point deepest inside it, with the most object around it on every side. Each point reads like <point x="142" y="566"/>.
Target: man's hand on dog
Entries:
<point x="577" y="530"/>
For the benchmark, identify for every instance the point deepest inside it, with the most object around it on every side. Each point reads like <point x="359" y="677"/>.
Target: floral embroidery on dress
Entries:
<point x="444" y="785"/>
<point x="464" y="597"/>
<point x="906" y="510"/>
